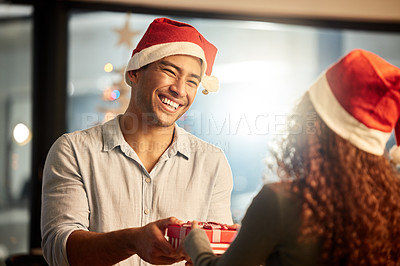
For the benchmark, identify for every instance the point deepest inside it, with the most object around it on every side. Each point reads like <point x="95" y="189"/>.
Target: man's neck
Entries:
<point x="148" y="141"/>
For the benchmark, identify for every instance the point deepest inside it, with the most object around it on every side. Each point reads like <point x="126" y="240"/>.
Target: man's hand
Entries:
<point x="151" y="245"/>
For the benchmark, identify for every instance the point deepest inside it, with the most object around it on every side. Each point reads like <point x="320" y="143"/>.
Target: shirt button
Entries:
<point x="147" y="211"/>
<point x="148" y="180"/>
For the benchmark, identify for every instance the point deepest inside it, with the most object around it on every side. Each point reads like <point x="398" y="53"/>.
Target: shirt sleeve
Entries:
<point x="219" y="210"/>
<point x="64" y="201"/>
<point x="255" y="242"/>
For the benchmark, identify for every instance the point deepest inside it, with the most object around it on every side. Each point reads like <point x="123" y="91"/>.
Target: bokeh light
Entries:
<point x="115" y="94"/>
<point x="111" y="94"/>
<point x="22" y="134"/>
<point x="108" y="67"/>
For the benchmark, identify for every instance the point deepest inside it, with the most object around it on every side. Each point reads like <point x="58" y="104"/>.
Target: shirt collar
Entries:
<point x="180" y="143"/>
<point x="112" y="137"/>
<point x="112" y="134"/>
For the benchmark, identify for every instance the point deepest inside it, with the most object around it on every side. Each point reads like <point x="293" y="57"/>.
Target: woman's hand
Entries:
<point x="195" y="225"/>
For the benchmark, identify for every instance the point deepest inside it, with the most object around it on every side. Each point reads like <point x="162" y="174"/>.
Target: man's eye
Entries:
<point x="193" y="83"/>
<point x="169" y="71"/>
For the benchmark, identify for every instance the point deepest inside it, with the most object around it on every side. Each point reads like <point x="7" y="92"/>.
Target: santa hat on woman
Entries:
<point x="359" y="99"/>
<point x="165" y="37"/>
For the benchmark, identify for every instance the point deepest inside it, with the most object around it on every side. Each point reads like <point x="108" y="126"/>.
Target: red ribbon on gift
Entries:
<point x="219" y="235"/>
<point x="216" y="232"/>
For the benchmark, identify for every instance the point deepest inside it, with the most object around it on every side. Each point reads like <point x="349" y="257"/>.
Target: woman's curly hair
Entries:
<point x="351" y="198"/>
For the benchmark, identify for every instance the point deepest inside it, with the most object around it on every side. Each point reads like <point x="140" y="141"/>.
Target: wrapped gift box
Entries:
<point x="218" y="234"/>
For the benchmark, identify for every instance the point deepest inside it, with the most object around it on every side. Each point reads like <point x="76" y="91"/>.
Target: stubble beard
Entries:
<point x="159" y="119"/>
<point x="151" y="116"/>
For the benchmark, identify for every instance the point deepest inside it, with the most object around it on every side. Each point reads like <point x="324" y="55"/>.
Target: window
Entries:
<point x="15" y="128"/>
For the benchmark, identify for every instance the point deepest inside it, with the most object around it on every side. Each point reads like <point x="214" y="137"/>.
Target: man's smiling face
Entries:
<point x="164" y="90"/>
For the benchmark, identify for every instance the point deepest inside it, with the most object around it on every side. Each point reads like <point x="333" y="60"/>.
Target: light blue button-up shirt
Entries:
<point x="93" y="180"/>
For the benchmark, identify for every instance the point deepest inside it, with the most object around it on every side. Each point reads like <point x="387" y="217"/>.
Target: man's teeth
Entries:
<point x="170" y="103"/>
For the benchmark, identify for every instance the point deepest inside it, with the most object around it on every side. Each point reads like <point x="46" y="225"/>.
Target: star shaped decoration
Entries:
<point x="125" y="34"/>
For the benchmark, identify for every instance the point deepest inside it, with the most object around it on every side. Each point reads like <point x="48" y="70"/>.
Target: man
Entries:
<point x="108" y="190"/>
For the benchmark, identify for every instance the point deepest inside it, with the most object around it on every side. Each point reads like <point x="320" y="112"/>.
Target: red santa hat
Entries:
<point x="359" y="99"/>
<point x="165" y="37"/>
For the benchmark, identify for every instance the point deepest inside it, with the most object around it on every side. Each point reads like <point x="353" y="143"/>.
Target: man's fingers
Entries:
<point x="154" y="242"/>
<point x="167" y="260"/>
<point x="163" y="260"/>
<point x="160" y="257"/>
<point x="166" y="247"/>
<point x="163" y="223"/>
<point x="163" y="246"/>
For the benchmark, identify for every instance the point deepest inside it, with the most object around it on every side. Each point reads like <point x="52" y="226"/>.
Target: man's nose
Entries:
<point x="179" y="87"/>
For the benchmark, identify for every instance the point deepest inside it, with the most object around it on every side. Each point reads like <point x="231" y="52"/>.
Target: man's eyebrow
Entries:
<point x="168" y="63"/>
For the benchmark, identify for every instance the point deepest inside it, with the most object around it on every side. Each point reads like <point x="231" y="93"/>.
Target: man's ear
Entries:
<point x="132" y="75"/>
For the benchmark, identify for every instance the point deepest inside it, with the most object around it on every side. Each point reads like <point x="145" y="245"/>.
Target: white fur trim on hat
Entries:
<point x="343" y="123"/>
<point x="159" y="51"/>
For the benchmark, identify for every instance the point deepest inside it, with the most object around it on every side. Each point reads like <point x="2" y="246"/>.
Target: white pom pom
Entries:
<point x="395" y="154"/>
<point x="210" y="84"/>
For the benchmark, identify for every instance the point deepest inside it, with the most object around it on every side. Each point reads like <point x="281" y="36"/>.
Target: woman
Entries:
<point x="338" y="202"/>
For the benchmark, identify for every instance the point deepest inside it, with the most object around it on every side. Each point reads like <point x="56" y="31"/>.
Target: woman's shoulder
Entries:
<point x="285" y="196"/>
<point x="283" y="190"/>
